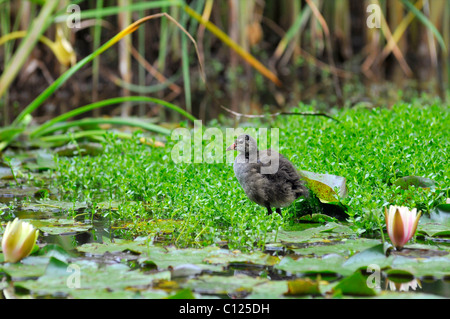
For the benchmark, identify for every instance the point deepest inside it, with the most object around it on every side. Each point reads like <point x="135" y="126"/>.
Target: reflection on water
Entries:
<point x="439" y="287"/>
<point x="396" y="286"/>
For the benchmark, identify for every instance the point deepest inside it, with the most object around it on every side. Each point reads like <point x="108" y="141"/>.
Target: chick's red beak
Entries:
<point x="231" y="147"/>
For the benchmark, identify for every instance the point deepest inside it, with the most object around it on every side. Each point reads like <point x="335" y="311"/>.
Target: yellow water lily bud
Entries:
<point x="18" y="240"/>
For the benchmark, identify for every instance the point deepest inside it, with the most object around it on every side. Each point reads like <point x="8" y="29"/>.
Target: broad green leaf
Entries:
<point x="237" y="285"/>
<point x="54" y="226"/>
<point x="373" y="255"/>
<point x="324" y="185"/>
<point x="437" y="267"/>
<point x="433" y="229"/>
<point x="329" y="264"/>
<point x="355" y="285"/>
<point x="117" y="277"/>
<point x="345" y="247"/>
<point x="416" y="181"/>
<point x="302" y="286"/>
<point x="441" y="213"/>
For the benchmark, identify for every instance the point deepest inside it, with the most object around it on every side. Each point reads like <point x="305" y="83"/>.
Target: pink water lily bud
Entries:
<point x="401" y="224"/>
<point x="18" y="240"/>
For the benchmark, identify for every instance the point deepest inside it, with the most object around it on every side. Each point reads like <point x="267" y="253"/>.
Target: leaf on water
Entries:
<point x="55" y="226"/>
<point x="355" y="285"/>
<point x="52" y="250"/>
<point x="119" y="245"/>
<point x="302" y="286"/>
<point x="5" y="172"/>
<point x="81" y="279"/>
<point x="314" y="234"/>
<point x="43" y="160"/>
<point x="31" y="266"/>
<point x="345" y="247"/>
<point x="182" y="294"/>
<point x="19" y="192"/>
<point x="329" y="264"/>
<point x="416" y="181"/>
<point x="373" y="255"/>
<point x="441" y="213"/>
<point x="433" y="229"/>
<point x="436" y="267"/>
<point x="324" y="185"/>
<point x="237" y="285"/>
<point x="83" y="148"/>
<point x="255" y="258"/>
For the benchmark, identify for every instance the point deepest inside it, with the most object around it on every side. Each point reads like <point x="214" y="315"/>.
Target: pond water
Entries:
<point x="217" y="271"/>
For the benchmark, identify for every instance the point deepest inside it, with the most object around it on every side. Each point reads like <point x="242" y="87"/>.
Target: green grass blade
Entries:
<point x="118" y="121"/>
<point x="109" y="11"/>
<point x="37" y="28"/>
<point x="66" y="75"/>
<point x="108" y="102"/>
<point x="185" y="66"/>
<point x="422" y="18"/>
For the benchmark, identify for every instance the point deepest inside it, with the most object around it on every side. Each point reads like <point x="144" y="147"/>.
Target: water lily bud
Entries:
<point x="401" y="224"/>
<point x="18" y="240"/>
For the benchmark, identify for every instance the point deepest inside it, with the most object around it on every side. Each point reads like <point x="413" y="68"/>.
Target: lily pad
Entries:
<point x="329" y="264"/>
<point x="63" y="279"/>
<point x="54" y="226"/>
<point x="119" y="245"/>
<point x="256" y="258"/>
<point x="441" y="213"/>
<point x="238" y="285"/>
<point x="436" y="267"/>
<point x="88" y="148"/>
<point x="433" y="229"/>
<point x="355" y="285"/>
<point x="274" y="289"/>
<point x="31" y="266"/>
<point x="324" y="185"/>
<point x="302" y="286"/>
<point x="345" y="247"/>
<point x="315" y="234"/>
<point x="19" y="192"/>
<point x="373" y="255"/>
<point x="416" y="181"/>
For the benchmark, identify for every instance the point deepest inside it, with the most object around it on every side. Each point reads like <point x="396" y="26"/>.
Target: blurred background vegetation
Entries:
<point x="274" y="55"/>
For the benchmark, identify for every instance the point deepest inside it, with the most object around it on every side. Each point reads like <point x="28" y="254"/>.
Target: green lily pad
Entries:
<point x="433" y="229"/>
<point x="274" y="289"/>
<point x="319" y="233"/>
<point x="52" y="206"/>
<point x="302" y="286"/>
<point x="88" y="148"/>
<point x="355" y="285"/>
<point x="238" y="285"/>
<point x="324" y="185"/>
<point x="54" y="226"/>
<point x="345" y="247"/>
<point x="119" y="245"/>
<point x="64" y="279"/>
<point x="441" y="213"/>
<point x="31" y="266"/>
<point x="373" y="255"/>
<point x="416" y="181"/>
<point x="226" y="256"/>
<point x="172" y="257"/>
<point x="19" y="192"/>
<point x="437" y="267"/>
<point x="329" y="264"/>
<point x="44" y="160"/>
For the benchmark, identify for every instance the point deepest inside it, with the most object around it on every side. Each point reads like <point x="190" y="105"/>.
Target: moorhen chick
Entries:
<point x="268" y="178"/>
